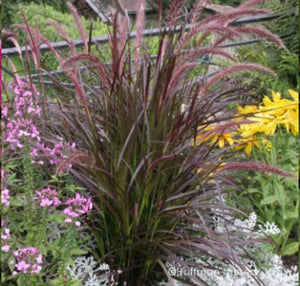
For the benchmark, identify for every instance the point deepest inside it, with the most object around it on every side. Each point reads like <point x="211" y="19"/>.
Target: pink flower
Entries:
<point x="4" y="112"/>
<point x="5" y="248"/>
<point x="22" y="266"/>
<point x="76" y="207"/>
<point x="77" y="223"/>
<point x="48" y="197"/>
<point x="5" y="197"/>
<point x="4" y="238"/>
<point x="29" y="260"/>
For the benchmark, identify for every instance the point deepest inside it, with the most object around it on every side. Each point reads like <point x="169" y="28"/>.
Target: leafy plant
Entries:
<point x="272" y="197"/>
<point x="284" y="26"/>
<point x="47" y="15"/>
<point x="42" y="13"/>
<point x="11" y="9"/>
<point x="136" y="123"/>
<point x="38" y="227"/>
<point x="282" y="61"/>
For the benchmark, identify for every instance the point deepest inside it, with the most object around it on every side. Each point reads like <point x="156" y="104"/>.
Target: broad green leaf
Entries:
<point x="290" y="215"/>
<point x="253" y="190"/>
<point x="291" y="248"/>
<point x="269" y="200"/>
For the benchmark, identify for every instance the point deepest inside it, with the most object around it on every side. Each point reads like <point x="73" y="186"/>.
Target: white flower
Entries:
<point x="270" y="228"/>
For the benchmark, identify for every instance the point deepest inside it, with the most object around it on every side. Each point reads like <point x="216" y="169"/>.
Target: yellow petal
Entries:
<point x="248" y="148"/>
<point x="221" y="143"/>
<point x="294" y="94"/>
<point x="276" y="96"/>
<point x="229" y="140"/>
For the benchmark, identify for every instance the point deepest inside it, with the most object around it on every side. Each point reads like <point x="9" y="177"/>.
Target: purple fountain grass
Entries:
<point x="174" y="12"/>
<point x="134" y="140"/>
<point x="80" y="26"/>
<point x="254" y="166"/>
<point x="197" y="9"/>
<point x="140" y="21"/>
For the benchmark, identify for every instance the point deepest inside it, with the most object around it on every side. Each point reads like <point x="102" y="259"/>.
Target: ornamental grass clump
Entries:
<point x="135" y="122"/>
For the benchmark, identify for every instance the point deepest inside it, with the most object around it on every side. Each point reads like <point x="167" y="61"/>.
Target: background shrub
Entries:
<point x="44" y="12"/>
<point x="11" y="8"/>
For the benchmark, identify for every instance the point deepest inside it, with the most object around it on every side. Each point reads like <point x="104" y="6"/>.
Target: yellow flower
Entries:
<point x="223" y="138"/>
<point x="273" y="112"/>
<point x="215" y="137"/>
<point x="266" y="144"/>
<point x="292" y="115"/>
<point x="247" y="145"/>
<point x="248" y="109"/>
<point x="292" y="122"/>
<point x="280" y="111"/>
<point x="294" y="94"/>
<point x="250" y="129"/>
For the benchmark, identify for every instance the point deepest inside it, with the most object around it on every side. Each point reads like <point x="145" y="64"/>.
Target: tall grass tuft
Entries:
<point x="135" y="121"/>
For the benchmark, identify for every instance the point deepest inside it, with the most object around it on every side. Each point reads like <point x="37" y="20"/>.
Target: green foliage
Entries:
<point x="285" y="26"/>
<point x="33" y="225"/>
<point x="12" y="8"/>
<point x="40" y="14"/>
<point x="43" y="13"/>
<point x="283" y="62"/>
<point x="228" y="2"/>
<point x="30" y="224"/>
<point x="274" y="198"/>
<point x="166" y="4"/>
<point x="189" y="4"/>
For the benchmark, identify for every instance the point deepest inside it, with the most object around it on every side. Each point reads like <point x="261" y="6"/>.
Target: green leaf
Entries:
<point x="253" y="190"/>
<point x="269" y="200"/>
<point x="43" y="250"/>
<point x="291" y="248"/>
<point x="78" y="251"/>
<point x="290" y="215"/>
<point x="58" y="218"/>
<point x="17" y="201"/>
<point x="60" y="282"/>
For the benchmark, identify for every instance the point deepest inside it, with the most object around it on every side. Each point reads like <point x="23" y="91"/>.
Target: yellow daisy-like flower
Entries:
<point x="223" y="138"/>
<point x="248" y="109"/>
<point x="210" y="134"/>
<point x="292" y="115"/>
<point x="273" y="112"/>
<point x="248" y="144"/>
<point x="249" y="130"/>
<point x="279" y="111"/>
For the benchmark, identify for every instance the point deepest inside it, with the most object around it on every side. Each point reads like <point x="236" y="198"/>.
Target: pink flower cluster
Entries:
<point x="76" y="207"/>
<point x="17" y="129"/>
<point x="48" y="197"/>
<point x="4" y="238"/>
<point x="5" y="197"/>
<point x="17" y="115"/>
<point x="29" y="260"/>
<point x="4" y="191"/>
<point x="54" y="155"/>
<point x="18" y="125"/>
<point x="26" y="100"/>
